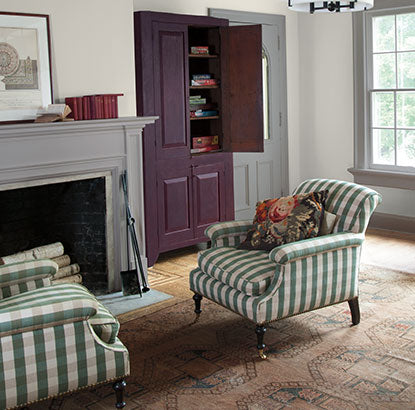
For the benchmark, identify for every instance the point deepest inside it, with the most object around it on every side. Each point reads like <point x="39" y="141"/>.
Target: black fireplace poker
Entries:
<point x="133" y="237"/>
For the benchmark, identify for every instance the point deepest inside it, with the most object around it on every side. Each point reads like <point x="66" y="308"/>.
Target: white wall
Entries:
<point x="92" y="46"/>
<point x="200" y="7"/>
<point x="326" y="105"/>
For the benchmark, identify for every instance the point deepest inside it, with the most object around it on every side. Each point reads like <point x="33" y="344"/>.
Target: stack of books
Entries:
<point x="205" y="144"/>
<point x="200" y="80"/>
<point x="93" y="107"/>
<point x="199" y="107"/>
<point x="204" y="50"/>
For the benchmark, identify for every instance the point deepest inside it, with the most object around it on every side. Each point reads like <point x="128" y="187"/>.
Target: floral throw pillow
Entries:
<point x="284" y="220"/>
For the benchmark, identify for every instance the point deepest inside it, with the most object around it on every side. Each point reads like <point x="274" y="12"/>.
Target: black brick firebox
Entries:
<point x="73" y="213"/>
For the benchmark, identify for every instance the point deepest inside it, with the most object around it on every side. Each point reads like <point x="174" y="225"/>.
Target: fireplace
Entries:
<point x="60" y="182"/>
<point x="75" y="211"/>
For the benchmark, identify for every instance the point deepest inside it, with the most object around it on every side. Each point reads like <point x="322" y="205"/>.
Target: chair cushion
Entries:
<point x="250" y="272"/>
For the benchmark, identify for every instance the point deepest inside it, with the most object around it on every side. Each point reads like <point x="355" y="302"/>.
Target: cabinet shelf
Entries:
<point x="199" y="87"/>
<point x="213" y="117"/>
<point x="203" y="56"/>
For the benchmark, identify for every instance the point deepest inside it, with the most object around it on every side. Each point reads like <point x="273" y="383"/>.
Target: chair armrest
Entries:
<point x="309" y="247"/>
<point x="24" y="271"/>
<point x="45" y="308"/>
<point x="230" y="233"/>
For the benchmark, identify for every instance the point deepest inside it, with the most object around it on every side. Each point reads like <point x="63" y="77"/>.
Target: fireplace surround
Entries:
<point x="37" y="155"/>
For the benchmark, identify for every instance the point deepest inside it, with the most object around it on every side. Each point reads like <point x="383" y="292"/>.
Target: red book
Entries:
<point x="86" y="108"/>
<point x="72" y="102"/>
<point x="107" y="105"/>
<point x="80" y="108"/>
<point x="211" y="81"/>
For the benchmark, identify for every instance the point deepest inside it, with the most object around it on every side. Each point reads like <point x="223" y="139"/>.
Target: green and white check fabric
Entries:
<point x="354" y="204"/>
<point x="228" y="233"/>
<point x="306" y="275"/>
<point x="250" y="272"/>
<point x="53" y="339"/>
<point x="21" y="277"/>
<point x="41" y="363"/>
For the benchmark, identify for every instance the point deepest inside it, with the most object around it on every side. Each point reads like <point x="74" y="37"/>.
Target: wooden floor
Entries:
<point x="389" y="249"/>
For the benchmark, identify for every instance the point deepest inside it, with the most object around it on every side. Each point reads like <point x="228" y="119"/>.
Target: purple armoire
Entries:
<point x="185" y="192"/>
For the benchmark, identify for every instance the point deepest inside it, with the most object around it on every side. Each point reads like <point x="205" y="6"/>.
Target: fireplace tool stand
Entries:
<point x="130" y="279"/>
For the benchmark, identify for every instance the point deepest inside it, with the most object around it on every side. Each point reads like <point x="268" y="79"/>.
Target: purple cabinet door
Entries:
<point x="208" y="196"/>
<point x="171" y="90"/>
<point x="175" y="204"/>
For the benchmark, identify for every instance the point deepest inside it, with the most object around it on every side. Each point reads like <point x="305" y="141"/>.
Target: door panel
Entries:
<point x="209" y="196"/>
<point x="242" y="88"/>
<point x="264" y="181"/>
<point x="175" y="205"/>
<point x="171" y="96"/>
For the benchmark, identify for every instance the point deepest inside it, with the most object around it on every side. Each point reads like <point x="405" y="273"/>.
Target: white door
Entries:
<point x="259" y="176"/>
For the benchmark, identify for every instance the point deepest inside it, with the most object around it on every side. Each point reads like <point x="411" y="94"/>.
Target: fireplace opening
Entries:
<point x="72" y="212"/>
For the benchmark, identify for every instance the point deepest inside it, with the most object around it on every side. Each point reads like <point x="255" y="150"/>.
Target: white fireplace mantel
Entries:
<point x="32" y="154"/>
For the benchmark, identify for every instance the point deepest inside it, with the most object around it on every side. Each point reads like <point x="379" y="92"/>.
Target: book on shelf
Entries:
<point x="203" y="113"/>
<point x="210" y="81"/>
<point x="199" y="101"/>
<point x="198" y="106"/>
<point x="205" y="141"/>
<point x="201" y="76"/>
<point x="53" y="113"/>
<point x="199" y="50"/>
<point x="205" y="149"/>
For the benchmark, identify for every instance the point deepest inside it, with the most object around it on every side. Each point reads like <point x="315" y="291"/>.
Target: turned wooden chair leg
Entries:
<point x="354" y="308"/>
<point x="260" y="331"/>
<point x="197" y="298"/>
<point x="119" y="388"/>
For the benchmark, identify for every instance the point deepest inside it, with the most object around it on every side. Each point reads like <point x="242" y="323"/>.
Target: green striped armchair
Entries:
<point x="293" y="278"/>
<point x="54" y="339"/>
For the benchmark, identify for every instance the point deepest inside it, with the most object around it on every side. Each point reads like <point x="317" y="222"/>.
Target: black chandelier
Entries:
<point x="329" y="6"/>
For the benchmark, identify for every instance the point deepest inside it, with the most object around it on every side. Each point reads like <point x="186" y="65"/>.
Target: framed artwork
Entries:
<point x="25" y="68"/>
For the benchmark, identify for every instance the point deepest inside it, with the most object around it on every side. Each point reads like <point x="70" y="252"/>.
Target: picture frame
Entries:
<point x="25" y="66"/>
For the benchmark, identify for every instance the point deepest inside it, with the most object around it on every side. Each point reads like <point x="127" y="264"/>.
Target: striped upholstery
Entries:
<point x="228" y="233"/>
<point x="53" y="339"/>
<point x="307" y="275"/>
<point x="354" y="204"/>
<point x="21" y="277"/>
<point x="250" y="272"/>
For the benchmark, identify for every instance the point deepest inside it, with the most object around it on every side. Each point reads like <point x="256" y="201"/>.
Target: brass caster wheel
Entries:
<point x="262" y="355"/>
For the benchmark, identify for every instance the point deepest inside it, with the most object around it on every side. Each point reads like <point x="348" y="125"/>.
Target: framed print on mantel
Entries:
<point x="25" y="68"/>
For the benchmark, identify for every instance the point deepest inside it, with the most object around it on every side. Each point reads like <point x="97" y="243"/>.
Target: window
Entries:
<point x="265" y="93"/>
<point x="391" y="81"/>
<point x="384" y="94"/>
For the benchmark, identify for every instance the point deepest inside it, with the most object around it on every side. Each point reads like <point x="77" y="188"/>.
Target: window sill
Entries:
<point x="387" y="179"/>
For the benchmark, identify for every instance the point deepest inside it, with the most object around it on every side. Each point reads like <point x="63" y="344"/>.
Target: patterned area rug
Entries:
<point x="315" y="360"/>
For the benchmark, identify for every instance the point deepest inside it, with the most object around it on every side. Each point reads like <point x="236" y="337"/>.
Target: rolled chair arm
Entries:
<point x="44" y="308"/>
<point x="230" y="233"/>
<point x="309" y="247"/>
<point x="29" y="270"/>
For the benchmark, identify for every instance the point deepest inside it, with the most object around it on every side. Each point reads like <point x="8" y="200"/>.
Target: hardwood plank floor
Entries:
<point x="393" y="250"/>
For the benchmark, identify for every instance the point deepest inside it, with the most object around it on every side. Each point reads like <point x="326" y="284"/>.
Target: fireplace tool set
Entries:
<point x="130" y="278"/>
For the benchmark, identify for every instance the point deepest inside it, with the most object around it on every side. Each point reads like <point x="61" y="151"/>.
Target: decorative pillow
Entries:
<point x="327" y="223"/>
<point x="284" y="220"/>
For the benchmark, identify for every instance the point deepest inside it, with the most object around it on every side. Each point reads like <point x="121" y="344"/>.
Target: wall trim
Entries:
<point x="392" y="222"/>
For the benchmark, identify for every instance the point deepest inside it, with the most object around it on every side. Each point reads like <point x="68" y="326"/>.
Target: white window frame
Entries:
<point x="364" y="171"/>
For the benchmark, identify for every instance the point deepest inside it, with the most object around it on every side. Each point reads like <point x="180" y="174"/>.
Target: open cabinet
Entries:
<point x="204" y="80"/>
